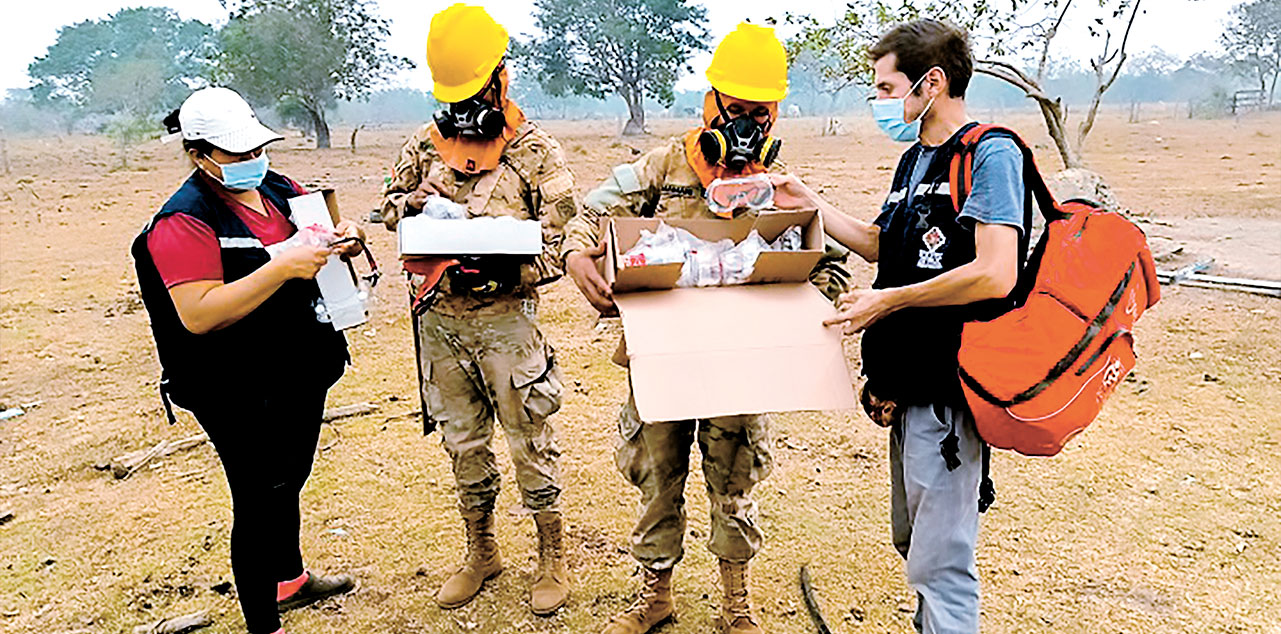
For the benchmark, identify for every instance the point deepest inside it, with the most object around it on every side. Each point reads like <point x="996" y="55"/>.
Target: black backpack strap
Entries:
<point x="987" y="488"/>
<point x="164" y="399"/>
<point x="961" y="177"/>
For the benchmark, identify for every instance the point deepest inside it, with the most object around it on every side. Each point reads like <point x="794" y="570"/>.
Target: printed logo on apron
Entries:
<point x="931" y="257"/>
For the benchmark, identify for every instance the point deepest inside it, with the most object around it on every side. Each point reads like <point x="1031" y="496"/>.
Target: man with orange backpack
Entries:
<point x="937" y="269"/>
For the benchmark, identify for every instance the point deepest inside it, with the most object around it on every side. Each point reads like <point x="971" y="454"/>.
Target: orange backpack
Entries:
<point x="1038" y="375"/>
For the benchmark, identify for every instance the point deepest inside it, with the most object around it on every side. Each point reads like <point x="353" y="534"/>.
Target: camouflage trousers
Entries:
<point x="655" y="458"/>
<point x="479" y="368"/>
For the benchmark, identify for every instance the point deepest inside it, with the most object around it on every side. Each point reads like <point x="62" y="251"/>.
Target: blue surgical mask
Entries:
<point x="891" y="115"/>
<point x="243" y="175"/>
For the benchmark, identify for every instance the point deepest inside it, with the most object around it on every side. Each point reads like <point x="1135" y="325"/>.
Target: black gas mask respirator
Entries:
<point x="474" y="117"/>
<point x="738" y="141"/>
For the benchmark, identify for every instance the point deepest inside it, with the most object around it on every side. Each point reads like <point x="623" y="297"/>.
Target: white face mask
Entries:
<point x="891" y="116"/>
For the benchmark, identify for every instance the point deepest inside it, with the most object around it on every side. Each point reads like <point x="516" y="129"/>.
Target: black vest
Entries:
<point x="278" y="346"/>
<point x="910" y="356"/>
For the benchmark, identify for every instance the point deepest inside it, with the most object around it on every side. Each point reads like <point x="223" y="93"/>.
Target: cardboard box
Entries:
<point x="423" y="236"/>
<point x="722" y="351"/>
<point x="336" y="279"/>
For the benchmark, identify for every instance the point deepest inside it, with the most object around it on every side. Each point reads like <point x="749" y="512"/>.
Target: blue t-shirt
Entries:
<point x="996" y="191"/>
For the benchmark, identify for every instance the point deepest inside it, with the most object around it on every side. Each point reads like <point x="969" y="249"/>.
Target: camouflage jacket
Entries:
<point x="532" y="182"/>
<point x="661" y="184"/>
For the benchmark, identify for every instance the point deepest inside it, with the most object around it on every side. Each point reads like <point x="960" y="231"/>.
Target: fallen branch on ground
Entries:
<point x="125" y="466"/>
<point x="347" y="411"/>
<point x="178" y="625"/>
<point x="1194" y="276"/>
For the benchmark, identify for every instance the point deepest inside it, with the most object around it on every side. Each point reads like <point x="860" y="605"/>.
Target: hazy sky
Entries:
<point x="1181" y="27"/>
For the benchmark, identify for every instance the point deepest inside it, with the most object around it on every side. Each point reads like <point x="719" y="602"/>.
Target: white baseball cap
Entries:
<point x="223" y="118"/>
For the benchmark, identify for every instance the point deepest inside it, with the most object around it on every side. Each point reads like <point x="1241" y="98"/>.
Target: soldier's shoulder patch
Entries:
<point x="628" y="179"/>
<point x="558" y="185"/>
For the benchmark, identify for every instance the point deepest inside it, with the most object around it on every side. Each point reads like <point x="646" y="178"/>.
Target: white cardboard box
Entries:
<point x="423" y="236"/>
<point x="337" y="286"/>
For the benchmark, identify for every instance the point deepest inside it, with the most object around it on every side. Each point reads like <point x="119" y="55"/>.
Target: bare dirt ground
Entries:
<point x="1164" y="517"/>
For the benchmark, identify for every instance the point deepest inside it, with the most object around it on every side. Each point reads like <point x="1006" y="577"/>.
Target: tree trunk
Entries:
<point x="1055" y="124"/>
<point x="353" y="137"/>
<point x="1088" y="123"/>
<point x="636" y="109"/>
<point x="4" y="151"/>
<point x="1051" y="109"/>
<point x="1272" y="93"/>
<point x="321" y="126"/>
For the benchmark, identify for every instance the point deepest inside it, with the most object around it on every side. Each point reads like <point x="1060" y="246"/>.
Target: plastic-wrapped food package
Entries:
<point x="442" y="208"/>
<point x="665" y="245"/>
<point x="789" y="240"/>
<point x="705" y="264"/>
<point x="740" y="261"/>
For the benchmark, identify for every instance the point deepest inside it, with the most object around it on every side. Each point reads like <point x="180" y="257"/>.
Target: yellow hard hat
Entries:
<point x="464" y="46"/>
<point x="750" y="64"/>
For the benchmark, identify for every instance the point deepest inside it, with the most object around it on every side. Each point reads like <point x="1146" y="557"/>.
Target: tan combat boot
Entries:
<point x="551" y="583"/>
<point x="653" y="608"/>
<point x="482" y="562"/>
<point x="736" y="611"/>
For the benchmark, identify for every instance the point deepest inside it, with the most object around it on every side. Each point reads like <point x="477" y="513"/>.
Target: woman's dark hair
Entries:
<point x="920" y="45"/>
<point x="172" y="126"/>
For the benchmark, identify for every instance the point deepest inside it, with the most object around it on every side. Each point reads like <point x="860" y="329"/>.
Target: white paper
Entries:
<point x="337" y="288"/>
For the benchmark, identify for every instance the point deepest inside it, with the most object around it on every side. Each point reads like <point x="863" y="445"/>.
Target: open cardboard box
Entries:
<point x="722" y="351"/>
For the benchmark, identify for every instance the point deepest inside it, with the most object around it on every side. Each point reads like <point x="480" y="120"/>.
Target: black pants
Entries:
<point x="266" y="445"/>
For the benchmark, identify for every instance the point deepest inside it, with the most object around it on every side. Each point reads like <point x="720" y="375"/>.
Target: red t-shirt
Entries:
<point x="186" y="250"/>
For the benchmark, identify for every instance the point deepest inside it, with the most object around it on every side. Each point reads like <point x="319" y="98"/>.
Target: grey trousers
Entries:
<point x="935" y="516"/>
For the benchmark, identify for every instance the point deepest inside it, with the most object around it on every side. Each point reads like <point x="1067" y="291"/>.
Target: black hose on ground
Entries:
<point x="811" y="604"/>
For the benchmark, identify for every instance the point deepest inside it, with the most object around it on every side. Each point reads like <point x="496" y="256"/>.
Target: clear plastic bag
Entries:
<point x="789" y="240"/>
<point x="740" y="261"/>
<point x="315" y="235"/>
<point x="665" y="245"/>
<point x="442" y="208"/>
<point x="706" y="263"/>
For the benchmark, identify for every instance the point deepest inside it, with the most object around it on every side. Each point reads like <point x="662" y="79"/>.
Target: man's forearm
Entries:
<point x="973" y="282"/>
<point x="856" y="235"/>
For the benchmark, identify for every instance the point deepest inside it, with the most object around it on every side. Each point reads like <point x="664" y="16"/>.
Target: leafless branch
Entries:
<point x="1049" y="36"/>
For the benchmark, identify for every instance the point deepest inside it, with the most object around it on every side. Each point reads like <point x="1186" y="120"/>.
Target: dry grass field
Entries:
<point x="1165" y="516"/>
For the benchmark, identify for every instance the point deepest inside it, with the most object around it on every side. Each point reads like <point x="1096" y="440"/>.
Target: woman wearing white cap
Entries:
<point x="240" y="343"/>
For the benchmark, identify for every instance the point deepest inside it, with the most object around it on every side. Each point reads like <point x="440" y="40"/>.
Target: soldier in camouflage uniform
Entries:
<point x="481" y="353"/>
<point x="749" y="77"/>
